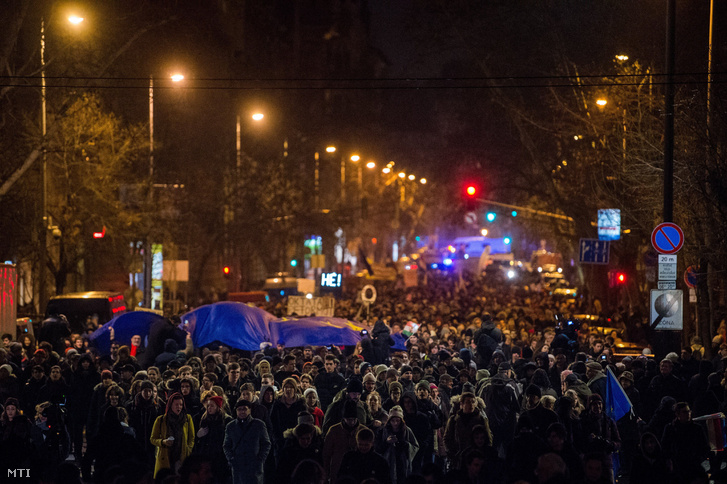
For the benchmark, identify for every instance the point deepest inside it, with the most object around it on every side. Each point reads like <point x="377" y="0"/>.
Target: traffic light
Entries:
<point x="226" y="272"/>
<point x="471" y="191"/>
<point x="491" y="216"/>
<point x="617" y="278"/>
<point x="620" y="278"/>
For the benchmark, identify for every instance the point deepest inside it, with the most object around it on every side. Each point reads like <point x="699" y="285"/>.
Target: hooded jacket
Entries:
<point x="419" y="424"/>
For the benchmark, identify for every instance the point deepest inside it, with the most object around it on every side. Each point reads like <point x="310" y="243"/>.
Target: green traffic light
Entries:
<point x="491" y="216"/>
<point x="514" y="213"/>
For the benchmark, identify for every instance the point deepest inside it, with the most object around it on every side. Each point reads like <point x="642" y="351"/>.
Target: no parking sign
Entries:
<point x="667" y="238"/>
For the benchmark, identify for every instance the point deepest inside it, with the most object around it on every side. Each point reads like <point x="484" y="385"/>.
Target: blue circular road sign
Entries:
<point x="667" y="238"/>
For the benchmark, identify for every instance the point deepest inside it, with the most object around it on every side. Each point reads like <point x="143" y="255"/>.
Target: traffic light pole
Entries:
<point x="525" y="209"/>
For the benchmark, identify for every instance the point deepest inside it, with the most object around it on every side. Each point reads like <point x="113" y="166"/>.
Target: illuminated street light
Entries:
<point x="412" y="177"/>
<point x="177" y="77"/>
<point x="386" y="170"/>
<point x="75" y="19"/>
<point x="355" y="158"/>
<point x="483" y="232"/>
<point x="601" y="102"/>
<point x="423" y="181"/>
<point x="402" y="174"/>
<point x="370" y="165"/>
<point x="331" y="149"/>
<point x="622" y="57"/>
<point x="258" y="116"/>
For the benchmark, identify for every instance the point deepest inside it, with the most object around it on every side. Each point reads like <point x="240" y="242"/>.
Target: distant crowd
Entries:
<point x="460" y="380"/>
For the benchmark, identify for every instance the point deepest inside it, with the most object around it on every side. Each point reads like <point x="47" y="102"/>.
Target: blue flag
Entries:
<point x="617" y="403"/>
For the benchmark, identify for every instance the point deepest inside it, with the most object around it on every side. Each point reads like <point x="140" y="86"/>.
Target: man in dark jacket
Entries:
<point x="159" y="332"/>
<point x="329" y="383"/>
<point x="143" y="411"/>
<point x="382" y="342"/>
<point x="487" y="339"/>
<point x="363" y="463"/>
<point x="597" y="380"/>
<point x="419" y="424"/>
<point x="246" y="445"/>
<point x="334" y="414"/>
<point x="685" y="443"/>
<point x="502" y="408"/>
<point x="80" y="394"/>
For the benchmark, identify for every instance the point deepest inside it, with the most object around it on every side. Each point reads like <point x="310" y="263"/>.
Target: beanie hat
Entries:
<point x="218" y="401"/>
<point x="673" y="357"/>
<point x="396" y="384"/>
<point x="571" y="379"/>
<point x="423" y="384"/>
<point x="396" y="411"/>
<point x="354" y="386"/>
<point x="305" y="418"/>
<point x="595" y="397"/>
<point x="363" y="366"/>
<point x="310" y="390"/>
<point x="533" y="390"/>
<point x="482" y="374"/>
<point x="369" y="377"/>
<point x="404" y="369"/>
<point x="504" y="366"/>
<point x="380" y="369"/>
<point x="243" y="403"/>
<point x="7" y="368"/>
<point x="350" y="409"/>
<point x="146" y="384"/>
<point x="12" y="401"/>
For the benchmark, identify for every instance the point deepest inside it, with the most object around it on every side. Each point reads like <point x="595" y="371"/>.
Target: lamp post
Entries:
<point x="147" y="244"/>
<point x="43" y="259"/>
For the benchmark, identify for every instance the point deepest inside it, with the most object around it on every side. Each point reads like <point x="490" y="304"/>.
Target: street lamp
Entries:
<point x="601" y="102"/>
<point x="43" y="259"/>
<point x="176" y="77"/>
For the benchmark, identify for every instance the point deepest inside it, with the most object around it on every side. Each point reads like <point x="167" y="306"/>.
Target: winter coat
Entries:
<point x="599" y="433"/>
<point x="686" y="444"/>
<point x="210" y="445"/>
<point x="80" y="393"/>
<point x="292" y="454"/>
<point x="502" y="408"/>
<point x="400" y="455"/>
<point x="358" y="466"/>
<point x="597" y="385"/>
<point x="650" y="468"/>
<point x="338" y="441"/>
<point x="142" y="415"/>
<point x="284" y="417"/>
<point x="334" y="414"/>
<point x="328" y="385"/>
<point x="419" y="424"/>
<point x="160" y="432"/>
<point x="246" y="447"/>
<point x="382" y="342"/>
<point x="458" y="433"/>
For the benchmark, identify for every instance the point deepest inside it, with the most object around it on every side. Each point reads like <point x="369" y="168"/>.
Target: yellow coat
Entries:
<point x="159" y="433"/>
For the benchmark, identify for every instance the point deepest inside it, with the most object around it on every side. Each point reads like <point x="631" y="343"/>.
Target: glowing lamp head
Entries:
<point x="471" y="190"/>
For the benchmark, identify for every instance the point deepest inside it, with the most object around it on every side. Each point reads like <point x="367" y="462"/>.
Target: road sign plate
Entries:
<point x="666" y="309"/>
<point x="667" y="238"/>
<point x="667" y="272"/>
<point x="594" y="251"/>
<point x="667" y="284"/>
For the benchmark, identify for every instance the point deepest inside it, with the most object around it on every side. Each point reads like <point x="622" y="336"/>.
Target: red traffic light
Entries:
<point x="226" y="270"/>
<point x="471" y="190"/>
<point x="620" y="278"/>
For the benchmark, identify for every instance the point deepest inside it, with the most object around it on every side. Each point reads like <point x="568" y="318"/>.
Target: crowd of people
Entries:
<point x="458" y="381"/>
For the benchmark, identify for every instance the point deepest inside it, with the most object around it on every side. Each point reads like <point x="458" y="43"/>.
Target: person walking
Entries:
<point x="173" y="435"/>
<point x="246" y="445"/>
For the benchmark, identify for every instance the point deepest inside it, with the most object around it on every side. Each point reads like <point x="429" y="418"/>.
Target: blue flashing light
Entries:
<point x="435" y="265"/>
<point x="293" y="263"/>
<point x="507" y="240"/>
<point x="514" y="213"/>
<point x="282" y="292"/>
<point x="491" y="216"/>
<point x="447" y="262"/>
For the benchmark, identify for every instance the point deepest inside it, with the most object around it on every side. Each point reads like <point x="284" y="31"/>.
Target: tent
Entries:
<point x="233" y="324"/>
<point x="316" y="331"/>
<point x="125" y="326"/>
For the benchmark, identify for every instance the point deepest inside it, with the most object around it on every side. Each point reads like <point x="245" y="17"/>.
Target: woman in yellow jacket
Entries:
<point x="173" y="435"/>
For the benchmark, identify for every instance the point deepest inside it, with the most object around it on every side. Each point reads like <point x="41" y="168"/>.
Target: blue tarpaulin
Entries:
<point x="316" y="331"/>
<point x="125" y="326"/>
<point x="233" y="324"/>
